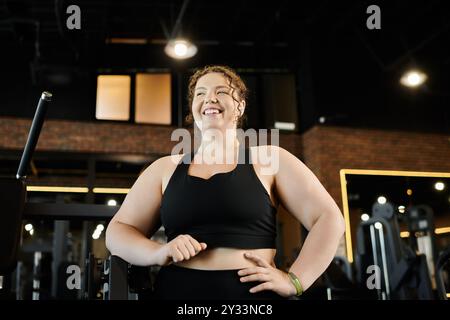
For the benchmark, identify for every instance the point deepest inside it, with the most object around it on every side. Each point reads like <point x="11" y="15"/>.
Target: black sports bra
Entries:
<point x="230" y="209"/>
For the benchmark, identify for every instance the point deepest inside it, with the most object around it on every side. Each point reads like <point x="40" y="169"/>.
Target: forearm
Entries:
<point x="318" y="249"/>
<point x="131" y="245"/>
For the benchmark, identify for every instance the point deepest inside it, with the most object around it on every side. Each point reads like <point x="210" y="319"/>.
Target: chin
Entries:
<point x="214" y="124"/>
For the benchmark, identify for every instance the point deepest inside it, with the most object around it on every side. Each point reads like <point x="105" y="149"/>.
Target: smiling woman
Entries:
<point x="220" y="216"/>
<point x="230" y="86"/>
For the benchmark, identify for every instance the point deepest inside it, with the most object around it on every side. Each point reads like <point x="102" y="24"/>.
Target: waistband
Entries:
<point x="176" y="268"/>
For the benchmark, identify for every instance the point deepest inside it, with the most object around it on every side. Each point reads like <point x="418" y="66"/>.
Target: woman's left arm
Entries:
<point x="303" y="196"/>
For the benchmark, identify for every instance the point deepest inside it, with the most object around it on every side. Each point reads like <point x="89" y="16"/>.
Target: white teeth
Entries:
<point x="212" y="111"/>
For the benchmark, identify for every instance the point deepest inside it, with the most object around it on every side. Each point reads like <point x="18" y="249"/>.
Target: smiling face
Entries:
<point x="216" y="104"/>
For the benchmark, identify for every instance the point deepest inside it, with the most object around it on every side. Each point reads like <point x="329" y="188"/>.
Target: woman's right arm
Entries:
<point x="138" y="216"/>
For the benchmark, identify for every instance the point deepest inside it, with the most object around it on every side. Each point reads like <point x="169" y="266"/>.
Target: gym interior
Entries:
<point x="92" y="91"/>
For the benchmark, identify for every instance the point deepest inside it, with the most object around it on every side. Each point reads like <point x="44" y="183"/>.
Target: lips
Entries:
<point x="211" y="111"/>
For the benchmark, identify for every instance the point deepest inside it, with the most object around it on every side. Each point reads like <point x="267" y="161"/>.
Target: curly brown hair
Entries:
<point x="235" y="82"/>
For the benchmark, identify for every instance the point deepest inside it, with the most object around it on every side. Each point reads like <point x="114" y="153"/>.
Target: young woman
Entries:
<point x="220" y="216"/>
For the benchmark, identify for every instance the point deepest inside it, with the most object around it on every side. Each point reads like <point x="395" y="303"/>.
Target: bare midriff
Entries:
<point x="226" y="259"/>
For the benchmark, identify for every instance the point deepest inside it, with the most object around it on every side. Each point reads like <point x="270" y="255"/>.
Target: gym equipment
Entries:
<point x="442" y="262"/>
<point x="421" y="229"/>
<point x="395" y="271"/>
<point x="13" y="195"/>
<point x="118" y="280"/>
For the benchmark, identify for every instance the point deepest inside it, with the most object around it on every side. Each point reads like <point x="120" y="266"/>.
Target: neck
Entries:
<point x="219" y="151"/>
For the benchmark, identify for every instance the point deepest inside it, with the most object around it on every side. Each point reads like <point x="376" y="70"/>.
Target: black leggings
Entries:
<point x="179" y="283"/>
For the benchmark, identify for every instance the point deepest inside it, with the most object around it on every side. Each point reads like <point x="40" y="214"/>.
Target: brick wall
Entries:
<point x="99" y="137"/>
<point x="324" y="149"/>
<point x="102" y="137"/>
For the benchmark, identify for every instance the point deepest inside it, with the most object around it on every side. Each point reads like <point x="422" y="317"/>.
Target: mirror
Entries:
<point x="361" y="189"/>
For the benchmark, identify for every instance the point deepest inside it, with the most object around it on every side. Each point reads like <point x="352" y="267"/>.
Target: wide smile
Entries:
<point x="212" y="112"/>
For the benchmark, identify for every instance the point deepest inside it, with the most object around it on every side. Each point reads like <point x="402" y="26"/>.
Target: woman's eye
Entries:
<point x="199" y="93"/>
<point x="222" y="92"/>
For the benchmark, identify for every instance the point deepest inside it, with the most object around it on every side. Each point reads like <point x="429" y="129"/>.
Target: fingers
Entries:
<point x="256" y="277"/>
<point x="197" y="246"/>
<point x="261" y="273"/>
<point x="177" y="255"/>
<point x="190" y="248"/>
<point x="254" y="274"/>
<point x="259" y="261"/>
<point x="252" y="270"/>
<point x="269" y="277"/>
<point x="184" y="247"/>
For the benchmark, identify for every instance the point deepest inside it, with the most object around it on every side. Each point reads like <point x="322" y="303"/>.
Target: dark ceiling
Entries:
<point x="346" y="72"/>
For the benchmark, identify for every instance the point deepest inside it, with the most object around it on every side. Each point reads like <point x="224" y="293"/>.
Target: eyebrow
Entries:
<point x="218" y="87"/>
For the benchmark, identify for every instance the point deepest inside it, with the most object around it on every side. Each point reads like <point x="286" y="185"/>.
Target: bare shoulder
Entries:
<point x="262" y="154"/>
<point x="275" y="160"/>
<point x="164" y="163"/>
<point x="167" y="167"/>
<point x="169" y="161"/>
<point x="270" y="155"/>
<point x="265" y="160"/>
<point x="160" y="168"/>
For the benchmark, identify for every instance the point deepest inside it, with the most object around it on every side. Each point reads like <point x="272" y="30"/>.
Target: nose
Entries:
<point x="211" y="98"/>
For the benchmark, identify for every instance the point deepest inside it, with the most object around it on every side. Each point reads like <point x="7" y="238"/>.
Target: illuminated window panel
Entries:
<point x="153" y="99"/>
<point x="113" y="97"/>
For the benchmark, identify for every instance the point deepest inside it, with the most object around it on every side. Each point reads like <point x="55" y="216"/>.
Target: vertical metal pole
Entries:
<point x="36" y="275"/>
<point x="179" y="99"/>
<point x="86" y="245"/>
<point x="118" y="279"/>
<point x="384" y="263"/>
<point x="19" y="291"/>
<point x="61" y="228"/>
<point x="375" y="254"/>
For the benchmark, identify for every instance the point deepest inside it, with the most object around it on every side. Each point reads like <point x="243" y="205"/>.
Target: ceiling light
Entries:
<point x="96" y="235"/>
<point x="365" y="217"/>
<point x="439" y="186"/>
<point x="284" y="125"/>
<point x="180" y="49"/>
<point x="111" y="190"/>
<point x="413" y="78"/>
<point x="381" y="200"/>
<point x="442" y="230"/>
<point x="404" y="234"/>
<point x="378" y="225"/>
<point x="57" y="189"/>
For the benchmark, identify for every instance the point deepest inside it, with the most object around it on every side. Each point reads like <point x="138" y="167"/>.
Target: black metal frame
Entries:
<point x="442" y="261"/>
<point x="60" y="211"/>
<point x="117" y="279"/>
